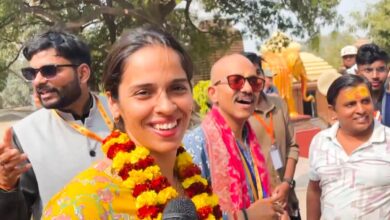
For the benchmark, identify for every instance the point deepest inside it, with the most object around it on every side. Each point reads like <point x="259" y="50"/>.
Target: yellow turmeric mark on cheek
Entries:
<point x="356" y="93"/>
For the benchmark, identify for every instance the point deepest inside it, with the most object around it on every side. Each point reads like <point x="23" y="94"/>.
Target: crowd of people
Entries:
<point x="128" y="153"/>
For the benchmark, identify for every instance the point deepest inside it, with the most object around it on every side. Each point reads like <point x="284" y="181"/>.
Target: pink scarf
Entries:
<point x="226" y="168"/>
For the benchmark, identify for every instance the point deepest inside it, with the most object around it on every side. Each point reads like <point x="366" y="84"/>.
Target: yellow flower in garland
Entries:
<point x="183" y="160"/>
<point x="121" y="139"/>
<point x="151" y="190"/>
<point x="189" y="181"/>
<point x="204" y="202"/>
<point x="120" y="159"/>
<point x="148" y="198"/>
<point x="166" y="194"/>
<point x="204" y="199"/>
<point x="141" y="176"/>
<point x="138" y="153"/>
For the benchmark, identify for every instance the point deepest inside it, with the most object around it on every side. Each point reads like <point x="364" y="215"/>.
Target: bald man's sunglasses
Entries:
<point x="236" y="82"/>
<point x="47" y="71"/>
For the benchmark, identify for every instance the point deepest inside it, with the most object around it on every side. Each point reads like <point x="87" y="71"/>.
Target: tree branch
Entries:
<point x="110" y="21"/>
<point x="125" y="3"/>
<point x="41" y="13"/>
<point x="188" y="17"/>
<point x="13" y="40"/>
<point x="96" y="21"/>
<point x="18" y="75"/>
<point x="8" y="20"/>
<point x="14" y="59"/>
<point x="7" y="67"/>
<point x="122" y="12"/>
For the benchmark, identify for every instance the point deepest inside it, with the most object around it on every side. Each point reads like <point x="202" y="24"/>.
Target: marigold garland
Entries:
<point x="149" y="187"/>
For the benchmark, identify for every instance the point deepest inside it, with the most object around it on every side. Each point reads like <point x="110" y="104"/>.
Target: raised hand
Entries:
<point x="12" y="162"/>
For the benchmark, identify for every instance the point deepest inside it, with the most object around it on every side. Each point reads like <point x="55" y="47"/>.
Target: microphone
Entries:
<point x="180" y="209"/>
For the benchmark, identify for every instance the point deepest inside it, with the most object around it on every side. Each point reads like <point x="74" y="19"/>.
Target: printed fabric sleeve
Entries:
<point x="93" y="194"/>
<point x="194" y="142"/>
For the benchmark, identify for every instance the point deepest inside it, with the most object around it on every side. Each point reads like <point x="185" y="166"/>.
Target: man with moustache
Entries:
<point x="349" y="162"/>
<point x="225" y="146"/>
<point x="42" y="152"/>
<point x="372" y="63"/>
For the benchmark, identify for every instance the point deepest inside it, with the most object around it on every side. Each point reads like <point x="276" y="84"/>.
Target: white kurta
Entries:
<point x="56" y="151"/>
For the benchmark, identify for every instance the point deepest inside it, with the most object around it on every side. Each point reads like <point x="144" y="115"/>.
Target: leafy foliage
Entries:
<point x="200" y="96"/>
<point x="17" y="92"/>
<point x="100" y="22"/>
<point x="376" y="21"/>
<point x="328" y="47"/>
<point x="299" y="17"/>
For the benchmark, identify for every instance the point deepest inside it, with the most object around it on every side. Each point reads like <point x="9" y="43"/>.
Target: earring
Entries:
<point x="117" y="119"/>
<point x="118" y="124"/>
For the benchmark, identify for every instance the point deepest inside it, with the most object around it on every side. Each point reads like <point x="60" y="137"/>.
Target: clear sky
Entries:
<point x="344" y="8"/>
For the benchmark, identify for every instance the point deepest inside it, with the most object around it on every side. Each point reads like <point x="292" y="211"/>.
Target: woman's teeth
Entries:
<point x="165" y="126"/>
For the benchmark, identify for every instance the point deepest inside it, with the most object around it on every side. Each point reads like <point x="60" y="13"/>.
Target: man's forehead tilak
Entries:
<point x="355" y="93"/>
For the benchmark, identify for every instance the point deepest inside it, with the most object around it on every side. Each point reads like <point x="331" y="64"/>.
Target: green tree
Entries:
<point x="328" y="46"/>
<point x="376" y="21"/>
<point x="17" y="93"/>
<point x="100" y="22"/>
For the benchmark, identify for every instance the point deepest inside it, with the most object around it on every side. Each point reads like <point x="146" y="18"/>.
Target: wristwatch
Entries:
<point x="290" y="181"/>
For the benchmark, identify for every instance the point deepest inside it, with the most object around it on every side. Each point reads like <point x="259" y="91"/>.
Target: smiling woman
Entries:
<point x="158" y="92"/>
<point x="147" y="82"/>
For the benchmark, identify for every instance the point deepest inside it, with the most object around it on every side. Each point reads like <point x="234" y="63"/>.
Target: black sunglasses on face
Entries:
<point x="236" y="82"/>
<point x="47" y="71"/>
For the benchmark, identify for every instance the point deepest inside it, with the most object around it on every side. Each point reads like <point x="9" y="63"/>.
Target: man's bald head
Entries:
<point x="230" y="64"/>
<point x="235" y="104"/>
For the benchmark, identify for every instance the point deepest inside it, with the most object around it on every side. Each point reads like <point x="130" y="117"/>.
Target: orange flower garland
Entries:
<point x="149" y="187"/>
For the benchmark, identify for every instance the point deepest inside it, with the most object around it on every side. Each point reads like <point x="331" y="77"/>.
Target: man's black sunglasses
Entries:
<point x="47" y="71"/>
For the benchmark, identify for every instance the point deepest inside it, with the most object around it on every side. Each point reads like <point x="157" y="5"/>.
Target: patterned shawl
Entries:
<point x="226" y="168"/>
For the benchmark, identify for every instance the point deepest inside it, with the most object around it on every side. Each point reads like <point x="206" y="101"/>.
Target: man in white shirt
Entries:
<point x="348" y="56"/>
<point x="350" y="162"/>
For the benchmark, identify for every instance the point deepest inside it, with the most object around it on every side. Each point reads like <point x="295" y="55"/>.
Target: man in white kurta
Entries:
<point x="52" y="145"/>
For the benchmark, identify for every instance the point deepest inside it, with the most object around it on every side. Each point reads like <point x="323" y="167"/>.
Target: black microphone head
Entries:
<point x="180" y="209"/>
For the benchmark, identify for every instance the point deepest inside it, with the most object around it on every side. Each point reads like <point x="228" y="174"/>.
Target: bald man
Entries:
<point x="225" y="146"/>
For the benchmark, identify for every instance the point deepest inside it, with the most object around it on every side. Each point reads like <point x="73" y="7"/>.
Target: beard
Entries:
<point x="65" y="95"/>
